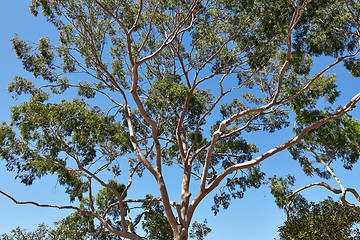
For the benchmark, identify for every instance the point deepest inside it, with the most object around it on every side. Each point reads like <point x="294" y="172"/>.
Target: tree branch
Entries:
<point x="205" y="191"/>
<point x="294" y="20"/>
<point x="341" y="191"/>
<point x="43" y="205"/>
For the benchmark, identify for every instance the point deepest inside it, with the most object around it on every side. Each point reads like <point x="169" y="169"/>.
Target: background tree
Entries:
<point x="180" y="87"/>
<point x="42" y="232"/>
<point x="324" y="220"/>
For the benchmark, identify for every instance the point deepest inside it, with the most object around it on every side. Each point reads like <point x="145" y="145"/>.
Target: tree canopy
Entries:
<point x="325" y="220"/>
<point x="143" y="88"/>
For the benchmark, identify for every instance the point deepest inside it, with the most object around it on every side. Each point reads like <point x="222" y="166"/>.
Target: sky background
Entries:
<point x="255" y="217"/>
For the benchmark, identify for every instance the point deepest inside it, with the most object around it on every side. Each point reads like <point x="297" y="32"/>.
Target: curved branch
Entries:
<point x="333" y="190"/>
<point x="205" y="191"/>
<point x="323" y="184"/>
<point x="294" y="20"/>
<point x="138" y="15"/>
<point x="339" y="113"/>
<point x="341" y="191"/>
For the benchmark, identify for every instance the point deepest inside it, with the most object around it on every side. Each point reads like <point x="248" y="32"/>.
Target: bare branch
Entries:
<point x="295" y="19"/>
<point x="138" y="15"/>
<point x="43" y="205"/>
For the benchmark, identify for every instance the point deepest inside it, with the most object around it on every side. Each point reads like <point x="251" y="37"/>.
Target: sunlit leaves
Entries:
<point x="81" y="226"/>
<point x="22" y="85"/>
<point x="339" y="139"/>
<point x="56" y="134"/>
<point x="107" y="197"/>
<point x="280" y="189"/>
<point x="41" y="232"/>
<point x="325" y="89"/>
<point x="324" y="220"/>
<point x="75" y="226"/>
<point x="166" y="99"/>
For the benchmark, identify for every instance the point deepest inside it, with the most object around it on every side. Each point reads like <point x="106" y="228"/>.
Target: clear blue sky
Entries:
<point x="255" y="217"/>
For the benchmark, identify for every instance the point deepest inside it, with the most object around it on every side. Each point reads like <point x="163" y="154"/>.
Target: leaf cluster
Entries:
<point x="58" y="139"/>
<point x="324" y="220"/>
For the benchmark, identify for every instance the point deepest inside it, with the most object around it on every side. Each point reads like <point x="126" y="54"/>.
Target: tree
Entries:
<point x="61" y="232"/>
<point x="42" y="232"/>
<point x="324" y="220"/>
<point x="178" y="86"/>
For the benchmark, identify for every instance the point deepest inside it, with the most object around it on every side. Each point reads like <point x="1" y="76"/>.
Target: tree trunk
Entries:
<point x="183" y="235"/>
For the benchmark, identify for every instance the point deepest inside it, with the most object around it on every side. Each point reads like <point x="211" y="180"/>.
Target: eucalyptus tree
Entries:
<point x="324" y="220"/>
<point x="41" y="232"/>
<point x="178" y="88"/>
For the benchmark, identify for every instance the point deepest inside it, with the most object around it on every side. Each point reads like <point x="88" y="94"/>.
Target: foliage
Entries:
<point x="61" y="232"/>
<point x="80" y="226"/>
<point x="136" y="88"/>
<point x="199" y="230"/>
<point x="41" y="232"/>
<point x="324" y="220"/>
<point x="155" y="224"/>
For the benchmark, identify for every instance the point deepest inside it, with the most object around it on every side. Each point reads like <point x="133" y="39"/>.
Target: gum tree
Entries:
<point x="178" y="86"/>
<point x="325" y="220"/>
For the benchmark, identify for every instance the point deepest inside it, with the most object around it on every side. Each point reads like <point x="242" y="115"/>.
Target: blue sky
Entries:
<point x="255" y="217"/>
